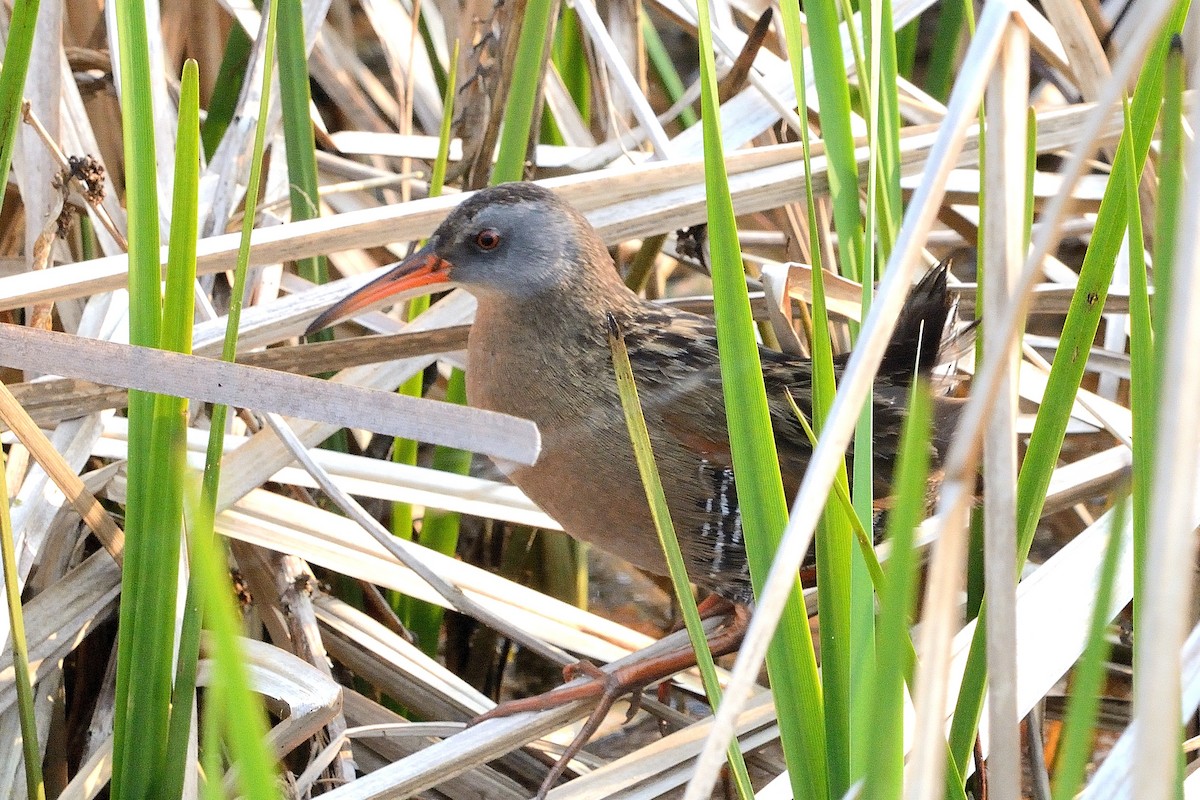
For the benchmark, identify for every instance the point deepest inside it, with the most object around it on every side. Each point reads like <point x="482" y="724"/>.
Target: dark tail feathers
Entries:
<point x="917" y="341"/>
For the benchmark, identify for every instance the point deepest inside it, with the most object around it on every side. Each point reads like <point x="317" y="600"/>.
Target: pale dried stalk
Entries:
<point x="83" y="501"/>
<point x="1172" y="543"/>
<point x="1004" y="254"/>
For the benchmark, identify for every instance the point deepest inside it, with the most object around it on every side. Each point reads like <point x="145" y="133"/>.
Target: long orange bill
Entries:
<point x="422" y="268"/>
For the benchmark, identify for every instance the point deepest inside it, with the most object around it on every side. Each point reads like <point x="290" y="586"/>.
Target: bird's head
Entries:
<point x="514" y="241"/>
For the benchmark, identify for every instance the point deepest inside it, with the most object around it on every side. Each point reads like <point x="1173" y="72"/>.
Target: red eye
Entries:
<point x="487" y="239"/>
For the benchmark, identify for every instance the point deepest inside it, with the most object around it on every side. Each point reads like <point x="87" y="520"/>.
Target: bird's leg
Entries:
<point x="609" y="685"/>
<point x="711" y="606"/>
<point x="608" y="697"/>
<point x="714" y="606"/>
<point x="623" y="680"/>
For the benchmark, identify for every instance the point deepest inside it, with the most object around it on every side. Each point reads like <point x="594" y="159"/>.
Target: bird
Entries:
<point x="549" y="294"/>
<point x="547" y="289"/>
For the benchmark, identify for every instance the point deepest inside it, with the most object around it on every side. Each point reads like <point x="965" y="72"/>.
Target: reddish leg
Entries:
<point x="711" y="606"/>
<point x="608" y="686"/>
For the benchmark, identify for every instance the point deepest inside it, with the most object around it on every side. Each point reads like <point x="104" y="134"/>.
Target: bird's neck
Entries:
<point x="542" y="350"/>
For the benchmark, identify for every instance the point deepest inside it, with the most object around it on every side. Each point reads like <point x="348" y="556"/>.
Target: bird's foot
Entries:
<point x="607" y="686"/>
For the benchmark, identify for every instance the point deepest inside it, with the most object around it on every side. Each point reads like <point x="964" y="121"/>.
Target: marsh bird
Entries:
<point x="539" y="349"/>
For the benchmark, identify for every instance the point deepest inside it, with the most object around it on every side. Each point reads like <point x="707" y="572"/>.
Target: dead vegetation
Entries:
<point x="335" y="672"/>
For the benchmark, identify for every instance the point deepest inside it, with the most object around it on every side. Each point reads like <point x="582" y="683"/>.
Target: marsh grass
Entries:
<point x="896" y="181"/>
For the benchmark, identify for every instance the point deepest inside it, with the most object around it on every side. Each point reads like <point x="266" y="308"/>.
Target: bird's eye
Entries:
<point x="488" y="239"/>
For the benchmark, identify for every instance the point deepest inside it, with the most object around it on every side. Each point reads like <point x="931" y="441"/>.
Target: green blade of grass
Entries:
<point x="641" y="266"/>
<point x="640" y="438"/>
<point x="30" y="750"/>
<point x="404" y="451"/>
<point x="522" y="95"/>
<point x="1083" y="703"/>
<point x="860" y="598"/>
<point x="906" y="48"/>
<point x="791" y="661"/>
<point x="866" y="548"/>
<point x="439" y="530"/>
<point x="226" y="88"/>
<point x="943" y="60"/>
<point x="833" y="95"/>
<point x="295" y="99"/>
<point x="570" y="57"/>
<point x="1170" y="179"/>
<point x="211" y="724"/>
<point x="834" y="554"/>
<point x="179" y="295"/>
<point x="861" y="627"/>
<point x="793" y="30"/>
<point x="437" y="180"/>
<point x="883" y="210"/>
<point x="243" y="719"/>
<point x="177" y="336"/>
<point x="884" y="118"/>
<point x="1153" y="362"/>
<point x="1143" y="379"/>
<point x="660" y="59"/>
<point x="440" y="75"/>
<point x="17" y="51"/>
<point x="897" y="598"/>
<point x="300" y="151"/>
<point x="145" y="633"/>
<point x="243" y="732"/>
<point x="793" y="34"/>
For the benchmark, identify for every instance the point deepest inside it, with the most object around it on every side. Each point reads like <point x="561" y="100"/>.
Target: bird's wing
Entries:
<point x="674" y="356"/>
